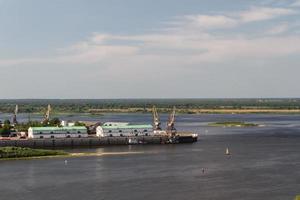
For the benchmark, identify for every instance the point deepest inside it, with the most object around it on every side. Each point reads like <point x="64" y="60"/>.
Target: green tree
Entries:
<point x="54" y="122"/>
<point x="6" y="122"/>
<point x="79" y="123"/>
<point x="6" y="129"/>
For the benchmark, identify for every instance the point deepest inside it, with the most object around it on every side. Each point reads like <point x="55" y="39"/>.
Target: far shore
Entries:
<point x="200" y="111"/>
<point x="97" y="112"/>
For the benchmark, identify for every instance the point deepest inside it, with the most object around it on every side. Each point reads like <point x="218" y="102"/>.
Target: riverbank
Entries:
<point x="19" y="153"/>
<point x="11" y="152"/>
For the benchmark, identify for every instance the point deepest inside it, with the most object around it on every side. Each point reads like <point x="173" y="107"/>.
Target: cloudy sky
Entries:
<point x="149" y="49"/>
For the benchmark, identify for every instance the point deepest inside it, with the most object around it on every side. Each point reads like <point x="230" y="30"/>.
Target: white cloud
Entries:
<point x="209" y="21"/>
<point x="278" y="29"/>
<point x="189" y="42"/>
<point x="170" y="50"/>
<point x="295" y="3"/>
<point x="264" y="13"/>
<point x="227" y="20"/>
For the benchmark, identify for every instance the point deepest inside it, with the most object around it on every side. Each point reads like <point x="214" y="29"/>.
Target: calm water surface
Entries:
<point x="264" y="164"/>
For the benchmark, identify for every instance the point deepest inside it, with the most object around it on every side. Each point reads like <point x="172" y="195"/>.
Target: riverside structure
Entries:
<point x="113" y="129"/>
<point x="57" y="132"/>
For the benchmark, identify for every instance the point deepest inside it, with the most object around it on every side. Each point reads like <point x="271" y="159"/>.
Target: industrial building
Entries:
<point x="112" y="129"/>
<point x="58" y="132"/>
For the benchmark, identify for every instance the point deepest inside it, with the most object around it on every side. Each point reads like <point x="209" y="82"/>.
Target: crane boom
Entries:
<point x="156" y="120"/>
<point x="171" y="130"/>
<point x="47" y="114"/>
<point x="15" y="115"/>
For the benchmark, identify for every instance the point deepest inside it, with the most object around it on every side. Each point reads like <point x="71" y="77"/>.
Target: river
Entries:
<point x="264" y="164"/>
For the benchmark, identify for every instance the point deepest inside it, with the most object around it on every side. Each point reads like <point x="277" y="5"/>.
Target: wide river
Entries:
<point x="264" y="164"/>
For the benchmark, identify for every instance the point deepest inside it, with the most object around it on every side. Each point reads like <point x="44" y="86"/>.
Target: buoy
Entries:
<point x="227" y="151"/>
<point x="66" y="162"/>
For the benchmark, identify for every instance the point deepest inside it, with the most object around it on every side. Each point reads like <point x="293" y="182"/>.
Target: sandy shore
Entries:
<point x="73" y="155"/>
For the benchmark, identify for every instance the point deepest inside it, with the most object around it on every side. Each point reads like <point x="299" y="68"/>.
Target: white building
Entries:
<point x="112" y="129"/>
<point x="67" y="123"/>
<point x="58" y="132"/>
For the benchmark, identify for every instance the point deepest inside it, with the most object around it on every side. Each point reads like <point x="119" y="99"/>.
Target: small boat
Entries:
<point x="227" y="152"/>
<point x="133" y="141"/>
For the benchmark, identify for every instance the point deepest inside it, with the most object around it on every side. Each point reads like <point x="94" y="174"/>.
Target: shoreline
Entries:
<point x="200" y="111"/>
<point x="72" y="155"/>
<point x="99" y="112"/>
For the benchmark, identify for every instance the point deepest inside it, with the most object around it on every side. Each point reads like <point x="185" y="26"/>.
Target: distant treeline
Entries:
<point x="86" y="105"/>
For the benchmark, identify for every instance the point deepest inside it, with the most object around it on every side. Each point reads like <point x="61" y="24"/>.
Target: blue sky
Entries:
<point x="149" y="49"/>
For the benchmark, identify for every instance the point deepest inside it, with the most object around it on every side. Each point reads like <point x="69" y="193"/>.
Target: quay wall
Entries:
<point x="81" y="142"/>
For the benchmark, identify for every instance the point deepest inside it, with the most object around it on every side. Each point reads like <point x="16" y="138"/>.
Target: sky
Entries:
<point x="149" y="49"/>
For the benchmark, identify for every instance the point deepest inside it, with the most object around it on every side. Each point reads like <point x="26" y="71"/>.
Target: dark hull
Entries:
<point x="187" y="139"/>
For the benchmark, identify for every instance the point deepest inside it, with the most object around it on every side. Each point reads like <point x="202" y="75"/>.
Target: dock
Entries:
<point x="91" y="141"/>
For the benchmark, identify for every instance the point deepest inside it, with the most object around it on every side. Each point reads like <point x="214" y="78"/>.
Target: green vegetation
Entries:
<point x="25" y="126"/>
<point x="6" y="128"/>
<point x="19" y="152"/>
<point x="79" y="123"/>
<point x="233" y="124"/>
<point x="297" y="197"/>
<point x="191" y="106"/>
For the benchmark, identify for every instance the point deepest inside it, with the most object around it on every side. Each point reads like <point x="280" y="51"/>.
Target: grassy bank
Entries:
<point x="233" y="124"/>
<point x="19" y="152"/>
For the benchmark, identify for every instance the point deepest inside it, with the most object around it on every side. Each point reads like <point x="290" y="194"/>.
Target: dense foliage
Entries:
<point x="5" y="128"/>
<point x="24" y="126"/>
<point x="233" y="124"/>
<point x="81" y="105"/>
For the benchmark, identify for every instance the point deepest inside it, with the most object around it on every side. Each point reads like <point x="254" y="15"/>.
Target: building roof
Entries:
<point x="54" y="128"/>
<point x="128" y="126"/>
<point x="115" y="124"/>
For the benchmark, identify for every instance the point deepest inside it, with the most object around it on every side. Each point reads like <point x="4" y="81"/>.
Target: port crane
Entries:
<point x="47" y="115"/>
<point x="156" y="120"/>
<point x="171" y="130"/>
<point x="15" y="115"/>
